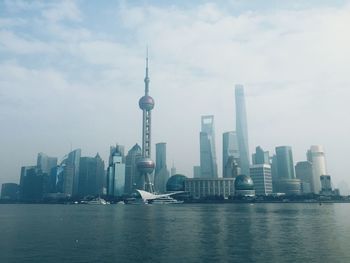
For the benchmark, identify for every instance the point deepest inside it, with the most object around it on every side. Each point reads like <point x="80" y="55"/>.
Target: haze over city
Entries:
<point x="71" y="75"/>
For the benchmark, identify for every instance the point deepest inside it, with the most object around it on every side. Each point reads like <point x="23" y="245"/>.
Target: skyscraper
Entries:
<point x="242" y="129"/>
<point x="173" y="170"/>
<point x="229" y="148"/>
<point x="304" y="172"/>
<point x="207" y="148"/>
<point x="161" y="172"/>
<point x="31" y="184"/>
<point x="316" y="156"/>
<point x="260" y="156"/>
<point x="47" y="167"/>
<point x="285" y="166"/>
<point x="133" y="179"/>
<point x="116" y="171"/>
<point x="91" y="173"/>
<point x="73" y="160"/>
<point x="287" y="183"/>
<point x="145" y="164"/>
<point x="196" y="171"/>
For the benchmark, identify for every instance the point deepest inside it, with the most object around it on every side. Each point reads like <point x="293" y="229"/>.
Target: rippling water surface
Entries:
<point x="175" y="233"/>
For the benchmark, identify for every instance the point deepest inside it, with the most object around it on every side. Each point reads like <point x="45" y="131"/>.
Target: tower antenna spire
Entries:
<point x="146" y="77"/>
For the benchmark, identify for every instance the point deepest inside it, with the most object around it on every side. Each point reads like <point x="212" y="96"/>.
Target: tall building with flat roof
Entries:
<point x="326" y="185"/>
<point x="91" y="174"/>
<point x="242" y="129"/>
<point x="286" y="183"/>
<point x="133" y="179"/>
<point x="261" y="176"/>
<point x="260" y="156"/>
<point x="304" y="172"/>
<point x="285" y="165"/>
<point x="229" y="148"/>
<point x="161" y="175"/>
<point x="207" y="148"/>
<point x="116" y="171"/>
<point x="316" y="156"/>
<point x="196" y="171"/>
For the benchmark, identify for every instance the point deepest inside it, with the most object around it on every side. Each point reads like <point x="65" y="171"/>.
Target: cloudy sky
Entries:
<point x="71" y="73"/>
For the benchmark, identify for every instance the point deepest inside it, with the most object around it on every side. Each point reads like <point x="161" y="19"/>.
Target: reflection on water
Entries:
<point x="175" y="233"/>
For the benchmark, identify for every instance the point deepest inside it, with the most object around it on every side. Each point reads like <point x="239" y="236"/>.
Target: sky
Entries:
<point x="71" y="75"/>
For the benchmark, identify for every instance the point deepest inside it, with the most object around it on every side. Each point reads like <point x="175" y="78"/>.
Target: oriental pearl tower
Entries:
<point x="145" y="165"/>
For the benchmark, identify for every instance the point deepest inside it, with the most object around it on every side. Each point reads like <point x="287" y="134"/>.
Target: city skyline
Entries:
<point x="47" y="107"/>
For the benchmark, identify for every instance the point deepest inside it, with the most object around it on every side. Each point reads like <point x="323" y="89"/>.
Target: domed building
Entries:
<point x="176" y="183"/>
<point x="244" y="186"/>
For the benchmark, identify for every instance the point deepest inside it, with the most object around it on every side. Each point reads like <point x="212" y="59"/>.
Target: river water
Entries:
<point x="175" y="233"/>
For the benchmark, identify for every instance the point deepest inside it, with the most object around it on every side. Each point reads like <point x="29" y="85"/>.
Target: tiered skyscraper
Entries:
<point x="146" y="165"/>
<point x="242" y="129"/>
<point x="207" y="148"/>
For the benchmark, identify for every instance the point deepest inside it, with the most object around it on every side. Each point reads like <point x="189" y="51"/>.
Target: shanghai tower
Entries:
<point x="242" y="129"/>
<point x="145" y="164"/>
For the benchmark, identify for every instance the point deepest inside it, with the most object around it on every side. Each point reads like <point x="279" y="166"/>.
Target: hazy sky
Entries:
<point x="72" y="73"/>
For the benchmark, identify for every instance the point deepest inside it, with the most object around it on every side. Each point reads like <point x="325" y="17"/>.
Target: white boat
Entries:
<point x="164" y="200"/>
<point x="96" y="201"/>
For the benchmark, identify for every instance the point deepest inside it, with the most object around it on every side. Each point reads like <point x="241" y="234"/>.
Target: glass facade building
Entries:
<point x="229" y="149"/>
<point x="242" y="129"/>
<point x="207" y="148"/>
<point x="316" y="156"/>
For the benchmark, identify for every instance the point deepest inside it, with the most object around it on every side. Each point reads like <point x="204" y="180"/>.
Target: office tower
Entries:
<point x="47" y="166"/>
<point x="72" y="161"/>
<point x="31" y="184"/>
<point x="285" y="166"/>
<point x="46" y="163"/>
<point x="229" y="148"/>
<point x="261" y="176"/>
<point x="260" y="156"/>
<point x="326" y="185"/>
<point x="207" y="148"/>
<point x="91" y="172"/>
<point x="116" y="171"/>
<point x="173" y="170"/>
<point x="145" y="164"/>
<point x="242" y="129"/>
<point x="196" y="171"/>
<point x="274" y="172"/>
<point x="287" y="183"/>
<point x="231" y="169"/>
<point x="133" y="179"/>
<point x="9" y="191"/>
<point x="304" y="172"/>
<point x="316" y="156"/>
<point x="161" y="172"/>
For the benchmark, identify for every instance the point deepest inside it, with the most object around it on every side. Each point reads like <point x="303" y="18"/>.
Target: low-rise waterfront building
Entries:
<point x="203" y="187"/>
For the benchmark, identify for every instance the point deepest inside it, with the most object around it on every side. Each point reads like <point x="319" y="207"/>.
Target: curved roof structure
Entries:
<point x="149" y="196"/>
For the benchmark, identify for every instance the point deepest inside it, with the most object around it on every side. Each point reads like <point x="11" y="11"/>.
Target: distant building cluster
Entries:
<point x="80" y="177"/>
<point x="262" y="173"/>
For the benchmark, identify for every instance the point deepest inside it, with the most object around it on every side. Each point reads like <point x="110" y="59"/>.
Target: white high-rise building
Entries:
<point x="316" y="156"/>
<point x="261" y="176"/>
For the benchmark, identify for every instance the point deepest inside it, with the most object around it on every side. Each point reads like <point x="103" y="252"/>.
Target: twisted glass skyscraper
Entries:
<point x="242" y="129"/>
